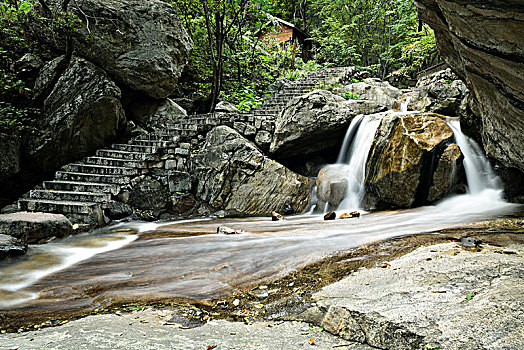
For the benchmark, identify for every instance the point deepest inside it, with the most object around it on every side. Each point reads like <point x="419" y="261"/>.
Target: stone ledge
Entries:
<point x="35" y="227"/>
<point x="442" y="295"/>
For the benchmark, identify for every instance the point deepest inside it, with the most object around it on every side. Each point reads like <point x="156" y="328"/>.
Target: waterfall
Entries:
<point x="483" y="185"/>
<point x="353" y="157"/>
<point x="479" y="174"/>
<point x="404" y="104"/>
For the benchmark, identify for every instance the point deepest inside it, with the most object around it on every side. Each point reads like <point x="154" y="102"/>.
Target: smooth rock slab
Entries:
<point x="147" y="330"/>
<point x="421" y="300"/>
<point x="34" y="227"/>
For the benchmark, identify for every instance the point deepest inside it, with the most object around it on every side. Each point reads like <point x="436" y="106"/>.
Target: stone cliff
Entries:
<point x="483" y="42"/>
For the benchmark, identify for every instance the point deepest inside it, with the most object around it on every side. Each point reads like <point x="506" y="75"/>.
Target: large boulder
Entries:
<point x="315" y="122"/>
<point x="232" y="174"/>
<point x="81" y="114"/>
<point x="35" y="227"/>
<point x="150" y="195"/>
<point x="441" y="92"/>
<point x="483" y="42"/>
<point x="142" y="44"/>
<point x="332" y="185"/>
<point x="376" y="90"/>
<point x="152" y="113"/>
<point x="411" y="161"/>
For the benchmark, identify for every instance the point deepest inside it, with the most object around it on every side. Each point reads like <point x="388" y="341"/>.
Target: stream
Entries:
<point x="189" y="260"/>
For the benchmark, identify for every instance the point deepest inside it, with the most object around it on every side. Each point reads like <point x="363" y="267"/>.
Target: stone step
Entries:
<point x="70" y="196"/>
<point x="110" y="153"/>
<point x="154" y="143"/>
<point x="81" y="186"/>
<point x="115" y="162"/>
<point x="83" y="177"/>
<point x="134" y="148"/>
<point x="62" y="207"/>
<point x="158" y="137"/>
<point x="102" y="169"/>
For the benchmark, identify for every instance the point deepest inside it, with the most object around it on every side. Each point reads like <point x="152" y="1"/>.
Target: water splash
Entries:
<point x="354" y="154"/>
<point x="404" y="104"/>
<point x="479" y="174"/>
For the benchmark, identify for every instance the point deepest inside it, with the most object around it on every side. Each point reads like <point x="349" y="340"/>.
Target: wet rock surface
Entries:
<point x="231" y="173"/>
<point x="34" y="227"/>
<point x="315" y="122"/>
<point x="11" y="247"/>
<point x="442" y="295"/>
<point x="81" y="114"/>
<point x="332" y="186"/>
<point x="483" y="42"/>
<point x="404" y="161"/>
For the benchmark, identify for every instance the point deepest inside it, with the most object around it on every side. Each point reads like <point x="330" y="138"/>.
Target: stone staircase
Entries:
<point x="276" y="103"/>
<point x="85" y="190"/>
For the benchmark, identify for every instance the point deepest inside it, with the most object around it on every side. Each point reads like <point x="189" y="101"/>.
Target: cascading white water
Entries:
<point x="404" y="104"/>
<point x="483" y="185"/>
<point x="353" y="157"/>
<point x="479" y="174"/>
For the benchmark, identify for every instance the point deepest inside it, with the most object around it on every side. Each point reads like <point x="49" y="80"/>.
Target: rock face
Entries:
<point x="441" y="296"/>
<point x="34" y="227"/>
<point x="315" y="122"/>
<point x="411" y="153"/>
<point x="153" y="113"/>
<point x="11" y="246"/>
<point x="441" y="92"/>
<point x="82" y="113"/>
<point x="484" y="43"/>
<point x="375" y="90"/>
<point x="142" y="44"/>
<point x="231" y="173"/>
<point x="150" y="195"/>
<point x="9" y="156"/>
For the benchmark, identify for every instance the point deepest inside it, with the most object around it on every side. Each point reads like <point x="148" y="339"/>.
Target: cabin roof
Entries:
<point x="273" y="19"/>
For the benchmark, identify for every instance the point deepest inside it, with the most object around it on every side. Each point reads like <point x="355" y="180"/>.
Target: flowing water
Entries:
<point x="353" y="156"/>
<point x="188" y="259"/>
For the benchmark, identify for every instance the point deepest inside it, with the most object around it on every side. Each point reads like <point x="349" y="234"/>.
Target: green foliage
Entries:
<point x="15" y="115"/>
<point x="470" y="296"/>
<point x="348" y="95"/>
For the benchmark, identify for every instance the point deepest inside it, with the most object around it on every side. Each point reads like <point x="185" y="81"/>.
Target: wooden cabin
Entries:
<point x="282" y="33"/>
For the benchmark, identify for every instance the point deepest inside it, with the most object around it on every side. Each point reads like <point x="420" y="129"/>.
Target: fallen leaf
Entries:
<point x="311" y="341"/>
<point x="209" y="347"/>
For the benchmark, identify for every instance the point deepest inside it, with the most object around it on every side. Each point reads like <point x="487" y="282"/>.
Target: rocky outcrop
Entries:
<point x="484" y="45"/>
<point x="375" y="90"/>
<point x="232" y="174"/>
<point x="35" y="227"/>
<point x="152" y="113"/>
<point x="226" y="107"/>
<point x="142" y="44"/>
<point x="441" y="92"/>
<point x="314" y="122"/>
<point x="411" y="161"/>
<point x="81" y="114"/>
<point x="437" y="297"/>
<point x="11" y="246"/>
